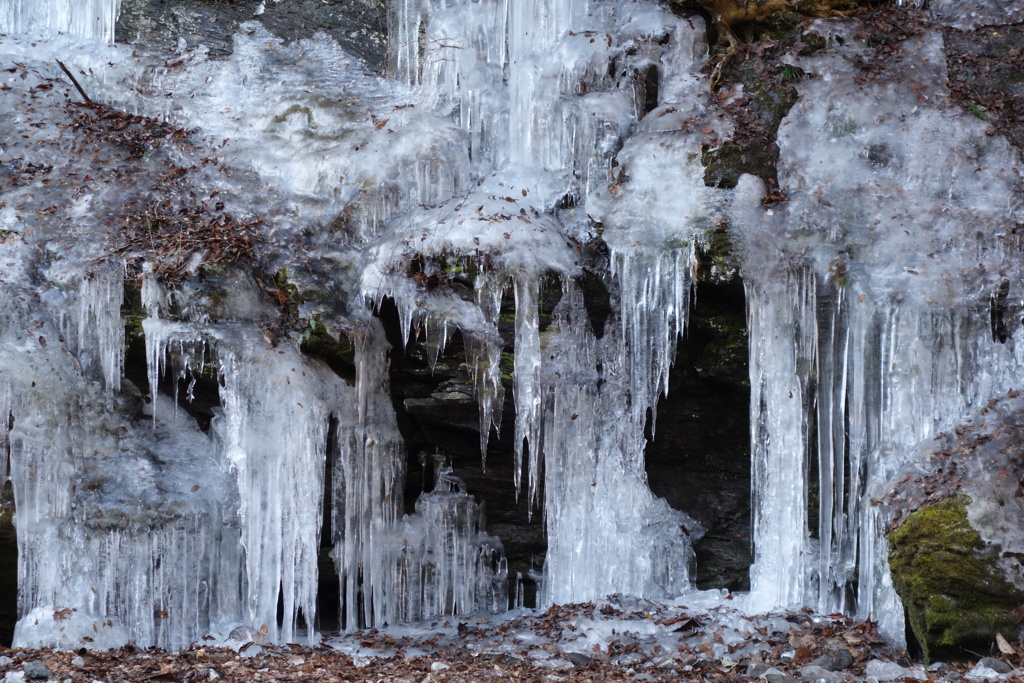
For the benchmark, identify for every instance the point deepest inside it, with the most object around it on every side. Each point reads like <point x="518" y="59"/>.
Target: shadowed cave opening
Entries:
<point x="699" y="457"/>
<point x="438" y="416"/>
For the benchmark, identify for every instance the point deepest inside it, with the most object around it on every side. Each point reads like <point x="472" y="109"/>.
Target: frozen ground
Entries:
<point x="619" y="639"/>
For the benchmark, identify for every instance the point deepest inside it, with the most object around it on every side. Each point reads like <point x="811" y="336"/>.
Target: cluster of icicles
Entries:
<point x="853" y="361"/>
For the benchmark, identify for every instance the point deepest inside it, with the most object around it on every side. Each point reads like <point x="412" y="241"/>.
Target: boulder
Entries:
<point x="956" y="595"/>
<point x="956" y="539"/>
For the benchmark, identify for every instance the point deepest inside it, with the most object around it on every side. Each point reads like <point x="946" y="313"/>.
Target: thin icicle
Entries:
<point x="274" y="433"/>
<point x="527" y="386"/>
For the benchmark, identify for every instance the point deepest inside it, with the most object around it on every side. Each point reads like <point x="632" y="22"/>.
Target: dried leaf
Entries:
<point x="1003" y="645"/>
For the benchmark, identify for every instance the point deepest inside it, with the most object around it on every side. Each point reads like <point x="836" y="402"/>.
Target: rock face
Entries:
<point x="699" y="456"/>
<point x="359" y="26"/>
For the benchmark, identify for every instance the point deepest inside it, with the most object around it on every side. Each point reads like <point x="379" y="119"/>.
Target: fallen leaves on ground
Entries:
<point x="646" y="639"/>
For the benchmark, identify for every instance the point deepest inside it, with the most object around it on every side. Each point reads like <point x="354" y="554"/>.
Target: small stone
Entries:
<point x="773" y="675"/>
<point x="983" y="673"/>
<point x="36" y="670"/>
<point x="820" y="673"/>
<point x="997" y="665"/>
<point x="78" y="661"/>
<point x="439" y="666"/>
<point x="837" y="660"/>
<point x="755" y="669"/>
<point x="508" y="660"/>
<point x="556" y="663"/>
<point x="891" y="671"/>
<point x="6" y="661"/>
<point x="578" y="658"/>
<point x="14" y="677"/>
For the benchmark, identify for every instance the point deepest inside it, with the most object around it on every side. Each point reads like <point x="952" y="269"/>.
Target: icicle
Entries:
<point x="153" y="294"/>
<point x="274" y="432"/>
<point x="781" y="326"/>
<point x="5" y="423"/>
<point x="659" y="286"/>
<point x="484" y="354"/>
<point x="369" y="467"/>
<point x="527" y="385"/>
<point x="95" y="329"/>
<point x="82" y="18"/>
<point x="182" y="343"/>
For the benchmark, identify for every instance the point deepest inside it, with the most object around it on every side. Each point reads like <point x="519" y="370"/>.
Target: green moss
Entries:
<point x="508" y="365"/>
<point x="956" y="596"/>
<point x="132" y="311"/>
<point x="718" y="260"/>
<point x="812" y="43"/>
<point x="337" y="352"/>
<point x="295" y="109"/>
<point x="725" y="355"/>
<point x="769" y="87"/>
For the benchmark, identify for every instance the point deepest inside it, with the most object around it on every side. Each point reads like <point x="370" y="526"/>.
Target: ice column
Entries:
<point x="782" y="322"/>
<point x="607" y="532"/>
<point x="117" y="523"/>
<point x="274" y="434"/>
<point x="82" y="18"/>
<point x="368" y="474"/>
<point x="875" y="318"/>
<point x="440" y="560"/>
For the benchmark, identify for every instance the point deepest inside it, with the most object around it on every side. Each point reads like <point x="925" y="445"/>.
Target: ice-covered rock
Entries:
<point x="891" y="671"/>
<point x="70" y="629"/>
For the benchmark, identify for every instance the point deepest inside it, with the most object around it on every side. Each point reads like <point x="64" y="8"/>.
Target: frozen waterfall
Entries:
<point x="511" y="138"/>
<point x="84" y="18"/>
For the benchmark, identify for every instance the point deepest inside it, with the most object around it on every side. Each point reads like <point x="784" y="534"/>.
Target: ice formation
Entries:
<point x="877" y="324"/>
<point x="513" y="137"/>
<point x="84" y="18"/>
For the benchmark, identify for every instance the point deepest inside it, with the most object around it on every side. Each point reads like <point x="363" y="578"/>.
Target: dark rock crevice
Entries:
<point x="699" y="458"/>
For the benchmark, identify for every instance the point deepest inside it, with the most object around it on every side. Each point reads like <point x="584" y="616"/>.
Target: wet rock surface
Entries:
<point x="985" y="67"/>
<point x="359" y="26"/>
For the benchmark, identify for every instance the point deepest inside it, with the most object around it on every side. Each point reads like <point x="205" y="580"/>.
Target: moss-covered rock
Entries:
<point x="957" y="597"/>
